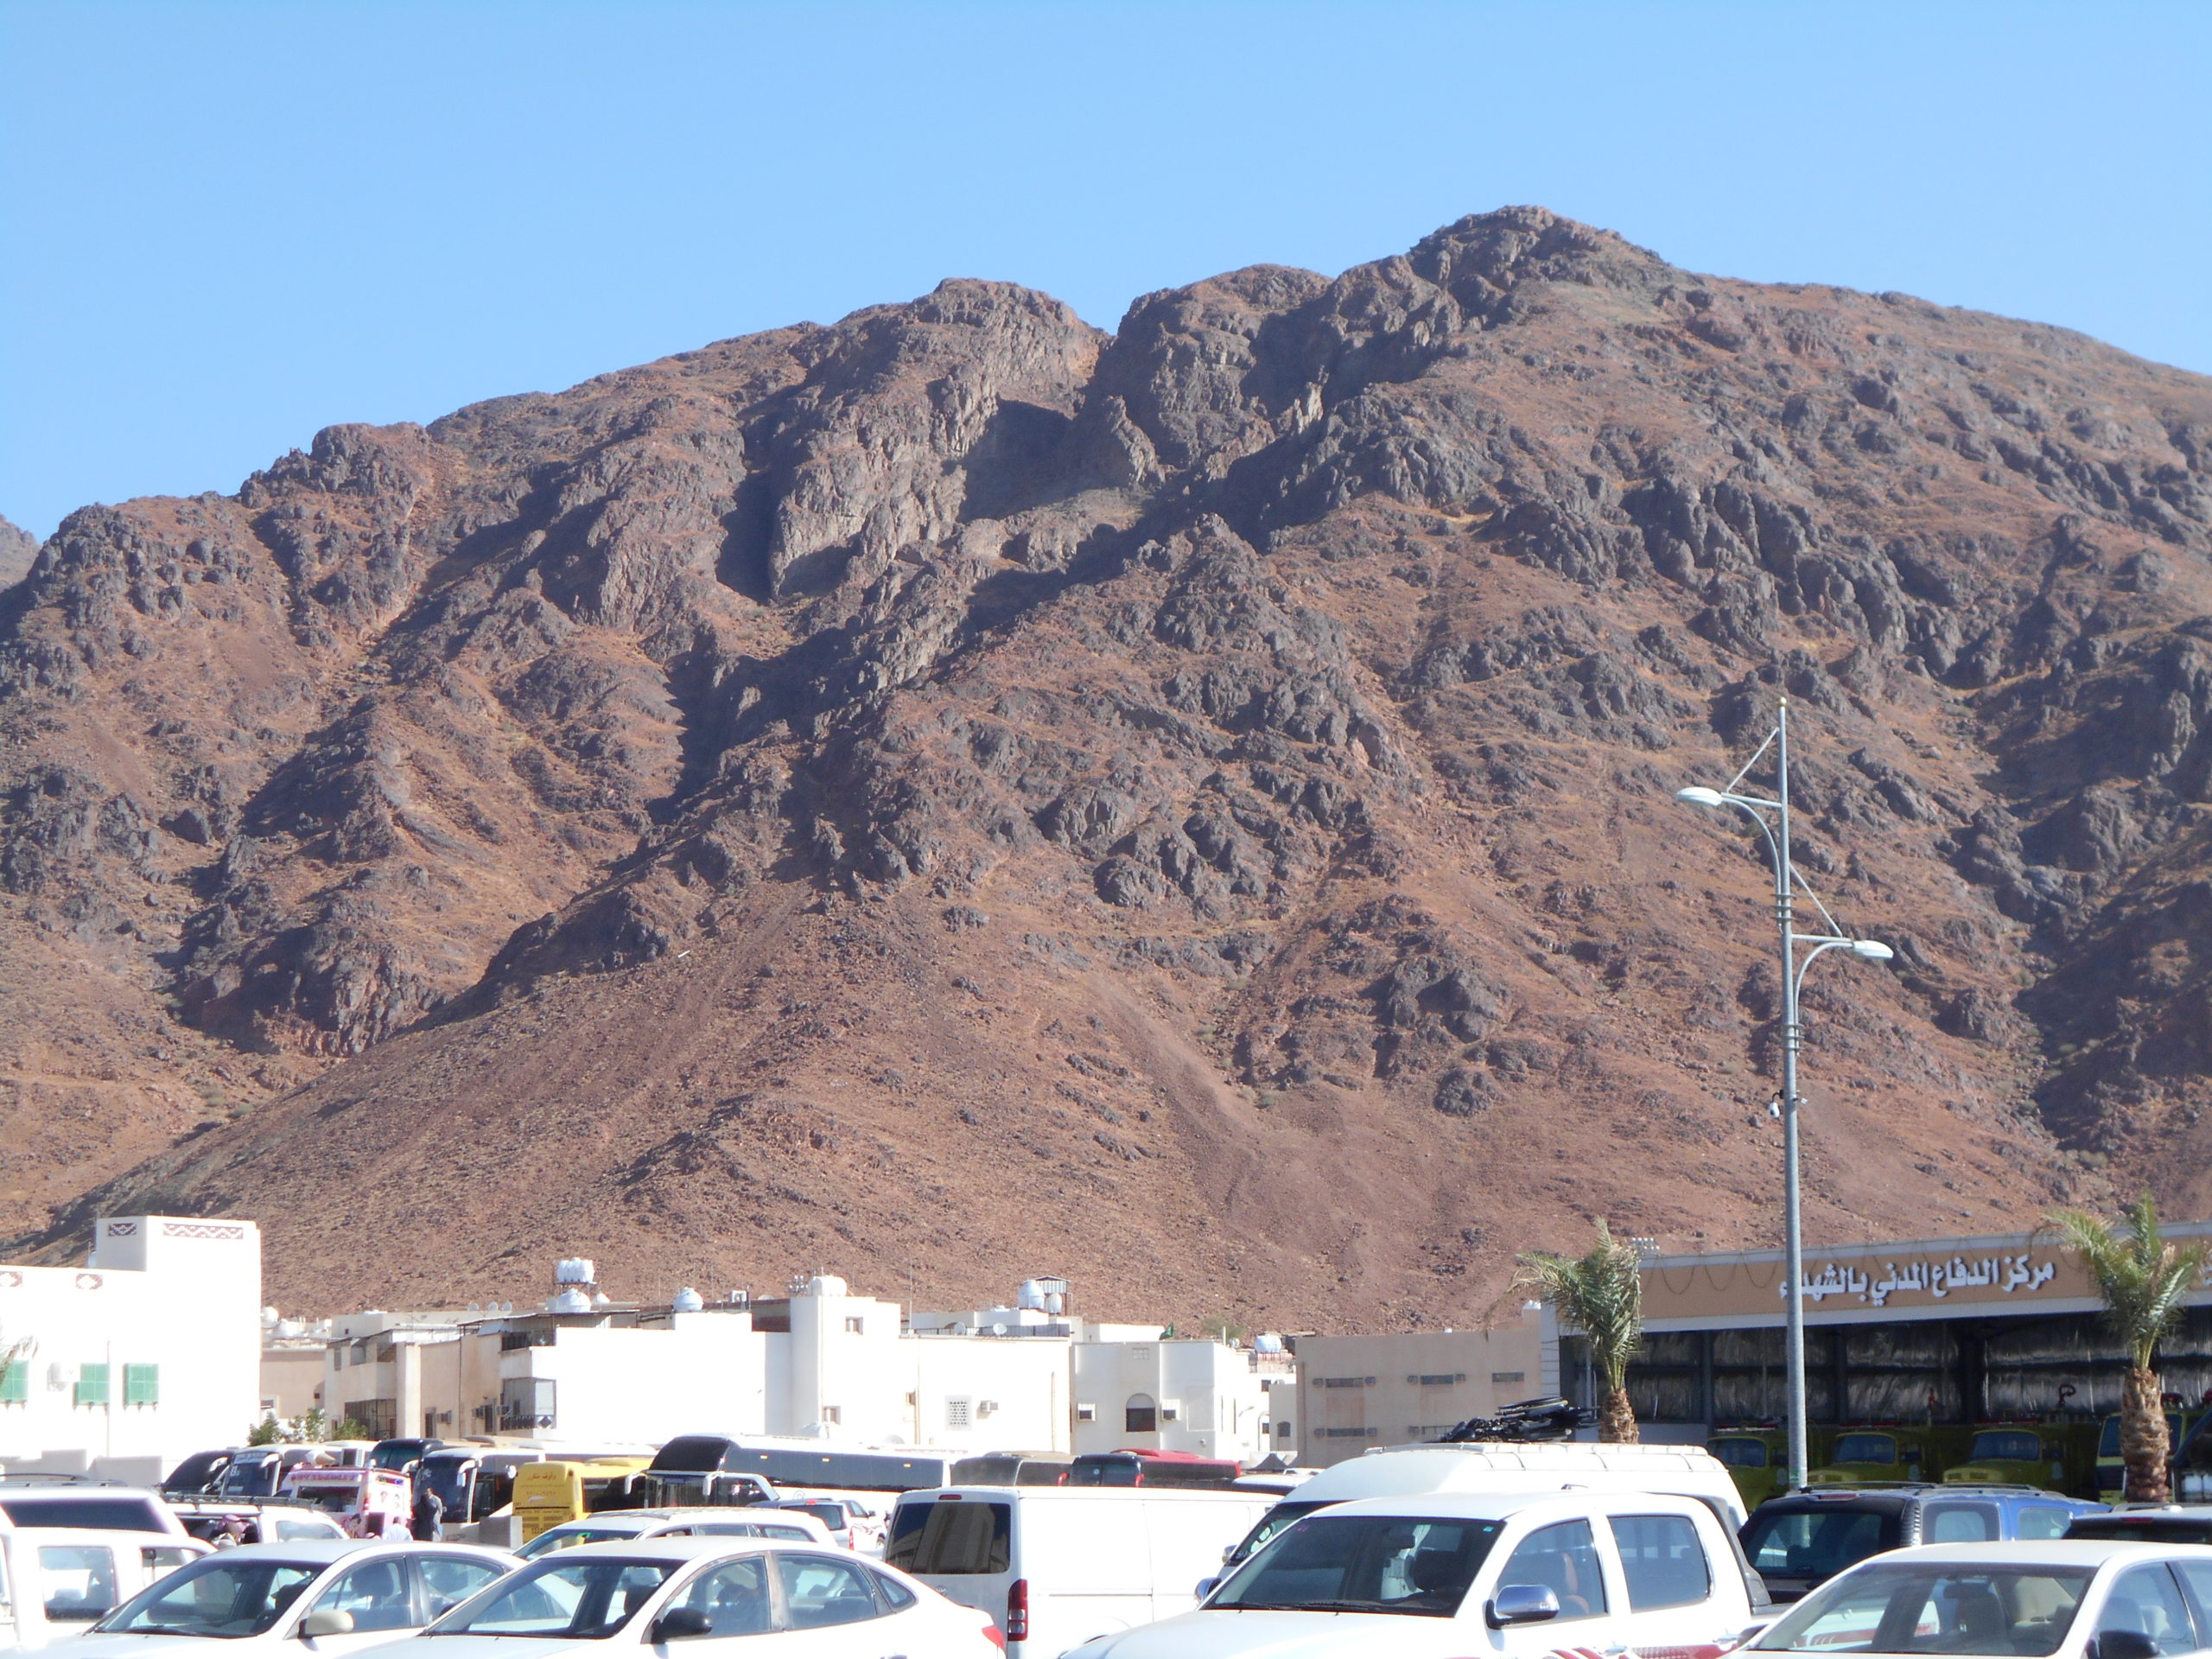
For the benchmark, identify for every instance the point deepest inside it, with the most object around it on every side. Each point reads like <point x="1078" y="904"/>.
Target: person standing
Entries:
<point x="430" y="1516"/>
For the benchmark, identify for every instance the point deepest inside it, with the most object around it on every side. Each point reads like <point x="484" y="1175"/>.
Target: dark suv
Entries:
<point x="1797" y="1541"/>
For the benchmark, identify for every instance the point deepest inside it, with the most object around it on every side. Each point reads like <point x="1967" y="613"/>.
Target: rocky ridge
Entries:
<point x="955" y="791"/>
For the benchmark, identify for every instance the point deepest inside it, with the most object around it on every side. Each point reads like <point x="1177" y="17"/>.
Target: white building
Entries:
<point x="1209" y="1398"/>
<point x="1358" y="1392"/>
<point x="149" y="1351"/>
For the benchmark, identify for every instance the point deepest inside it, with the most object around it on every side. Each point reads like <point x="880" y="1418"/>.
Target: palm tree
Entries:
<point x="1602" y="1295"/>
<point x="2141" y="1280"/>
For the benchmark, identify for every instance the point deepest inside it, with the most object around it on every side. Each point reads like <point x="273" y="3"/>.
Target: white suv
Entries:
<point x="1439" y="1576"/>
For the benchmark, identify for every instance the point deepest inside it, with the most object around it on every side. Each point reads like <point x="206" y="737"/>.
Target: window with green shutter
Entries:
<point x="142" y="1385"/>
<point x="16" y="1387"/>
<point x="91" y="1385"/>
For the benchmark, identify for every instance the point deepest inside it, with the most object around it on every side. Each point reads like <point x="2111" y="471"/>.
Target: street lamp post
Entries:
<point x="1786" y="883"/>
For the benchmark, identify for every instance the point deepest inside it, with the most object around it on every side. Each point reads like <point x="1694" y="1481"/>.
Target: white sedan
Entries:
<point x="752" y="1520"/>
<point x="749" y="1598"/>
<point x="294" y="1598"/>
<point x="2059" y="1600"/>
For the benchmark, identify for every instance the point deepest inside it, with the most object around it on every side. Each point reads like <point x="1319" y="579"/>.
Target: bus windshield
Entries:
<point x="1866" y="1448"/>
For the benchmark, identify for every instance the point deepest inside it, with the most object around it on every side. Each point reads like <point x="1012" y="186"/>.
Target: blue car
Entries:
<point x="1799" y="1541"/>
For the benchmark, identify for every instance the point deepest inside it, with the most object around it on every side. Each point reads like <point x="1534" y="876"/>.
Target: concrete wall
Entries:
<point x="182" y="1294"/>
<point x="1355" y="1392"/>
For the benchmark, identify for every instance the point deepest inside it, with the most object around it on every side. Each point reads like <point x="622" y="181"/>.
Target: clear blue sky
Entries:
<point x="227" y="225"/>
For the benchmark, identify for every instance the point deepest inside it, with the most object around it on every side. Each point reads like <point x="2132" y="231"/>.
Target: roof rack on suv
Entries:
<point x="1546" y="1418"/>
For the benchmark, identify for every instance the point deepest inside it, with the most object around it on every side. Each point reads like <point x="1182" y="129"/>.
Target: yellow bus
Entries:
<point x="549" y="1493"/>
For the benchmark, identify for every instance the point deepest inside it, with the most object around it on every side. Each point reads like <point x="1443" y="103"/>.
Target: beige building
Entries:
<point x="1358" y="1392"/>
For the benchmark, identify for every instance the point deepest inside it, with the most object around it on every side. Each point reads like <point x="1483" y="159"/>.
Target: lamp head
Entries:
<point x="1870" y="950"/>
<point x="1699" y="795"/>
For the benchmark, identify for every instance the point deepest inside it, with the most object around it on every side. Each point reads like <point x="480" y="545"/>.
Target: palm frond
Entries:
<point x="2140" y="1278"/>
<point x="1601" y="1293"/>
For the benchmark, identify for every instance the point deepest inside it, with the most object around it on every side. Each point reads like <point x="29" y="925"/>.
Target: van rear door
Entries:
<point x="1088" y="1564"/>
<point x="961" y="1544"/>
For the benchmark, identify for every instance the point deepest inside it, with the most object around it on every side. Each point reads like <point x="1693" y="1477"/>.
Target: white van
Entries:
<point x="92" y="1504"/>
<point x="1511" y="1466"/>
<point x="1058" y="1565"/>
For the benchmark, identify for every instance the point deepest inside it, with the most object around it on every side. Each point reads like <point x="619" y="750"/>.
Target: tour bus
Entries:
<point x="695" y="1470"/>
<point x="259" y="1470"/>
<point x="1012" y="1469"/>
<point x="552" y="1491"/>
<point x="1135" y="1468"/>
<point x="474" y="1483"/>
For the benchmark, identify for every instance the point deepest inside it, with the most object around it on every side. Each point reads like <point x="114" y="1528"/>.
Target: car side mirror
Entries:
<point x="1522" y="1603"/>
<point x="1206" y="1587"/>
<point x="2124" y="1645"/>
<point x="679" y="1624"/>
<point x="327" y="1621"/>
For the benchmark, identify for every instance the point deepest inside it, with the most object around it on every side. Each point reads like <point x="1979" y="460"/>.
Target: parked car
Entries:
<point x="1504" y="1467"/>
<point x="330" y="1598"/>
<point x="852" y="1523"/>
<point x="619" y="1524"/>
<point x="85" y="1503"/>
<point x="1801" y="1540"/>
<point x="1449" y="1574"/>
<point x="765" y="1598"/>
<point x="2171" y="1523"/>
<point x="252" y="1521"/>
<point x="55" y="1581"/>
<point x="2047" y="1599"/>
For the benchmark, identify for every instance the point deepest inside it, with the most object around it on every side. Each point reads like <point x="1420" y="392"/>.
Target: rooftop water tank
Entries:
<point x="825" y="1284"/>
<point x="687" y="1300"/>
<point x="571" y="1300"/>
<point x="1031" y="1295"/>
<point x="1055" y="1304"/>
<point x="573" y="1270"/>
<point x="1267" y="1343"/>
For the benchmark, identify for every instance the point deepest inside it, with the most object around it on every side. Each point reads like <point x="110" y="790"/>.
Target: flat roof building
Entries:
<point x="1981" y="1329"/>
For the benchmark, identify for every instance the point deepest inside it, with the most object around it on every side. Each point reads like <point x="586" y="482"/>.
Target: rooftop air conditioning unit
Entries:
<point x="986" y="1407"/>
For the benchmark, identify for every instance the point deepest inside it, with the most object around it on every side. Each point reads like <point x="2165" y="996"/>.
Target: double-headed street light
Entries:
<point x="1787" y="882"/>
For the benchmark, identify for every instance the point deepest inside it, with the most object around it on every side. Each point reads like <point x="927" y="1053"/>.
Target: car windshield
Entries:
<point x="1362" y="1564"/>
<point x="577" y="1598"/>
<point x="102" y="1514"/>
<point x="1739" y="1453"/>
<point x="1935" y="1607"/>
<point x="1819" y="1543"/>
<point x="1866" y="1448"/>
<point x="2005" y="1445"/>
<point x="564" y="1538"/>
<point x="221" y="1596"/>
<point x="1271" y="1524"/>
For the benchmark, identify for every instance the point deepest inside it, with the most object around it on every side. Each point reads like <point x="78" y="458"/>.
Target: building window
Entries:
<point x="142" y="1385"/>
<point x="1345" y="1433"/>
<point x="91" y="1385"/>
<point x="525" y="1402"/>
<point x="1344" y="1382"/>
<point x="1439" y="1379"/>
<point x="833" y="1414"/>
<point x="16" y="1386"/>
<point x="1282" y="1428"/>
<point x="959" y="1411"/>
<point x="1141" y="1417"/>
<point x="379" y="1417"/>
<point x="1509" y="1376"/>
<point x="1086" y="1413"/>
<point x="854" y="1325"/>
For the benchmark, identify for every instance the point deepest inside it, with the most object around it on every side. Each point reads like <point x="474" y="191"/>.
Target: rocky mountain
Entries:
<point x="18" y="548"/>
<point x="956" y="794"/>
